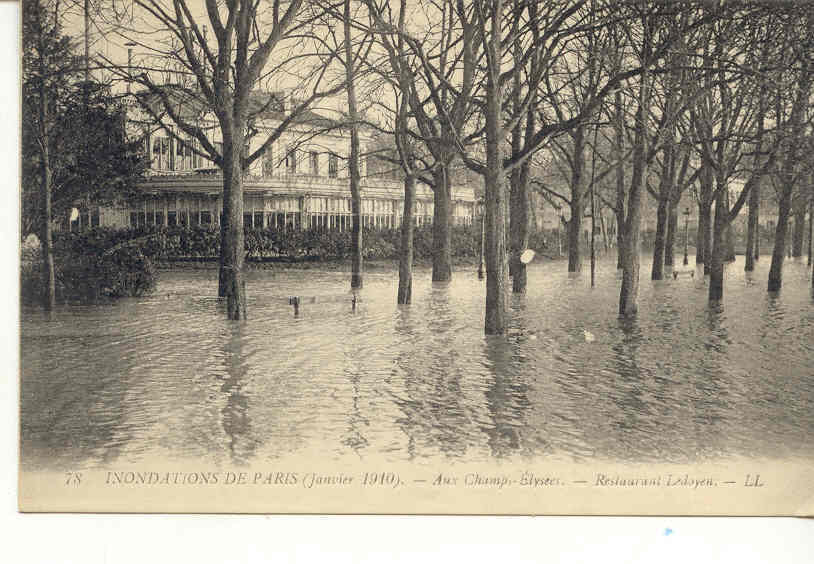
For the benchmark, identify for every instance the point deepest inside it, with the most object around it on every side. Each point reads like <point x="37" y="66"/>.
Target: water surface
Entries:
<point x="167" y="376"/>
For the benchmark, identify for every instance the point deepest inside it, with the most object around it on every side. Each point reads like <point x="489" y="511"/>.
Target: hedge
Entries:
<point x="174" y="243"/>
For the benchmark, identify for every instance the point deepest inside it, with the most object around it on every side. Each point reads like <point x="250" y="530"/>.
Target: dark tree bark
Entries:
<point x="441" y="220"/>
<point x="628" y="295"/>
<point x="618" y="145"/>
<point x="405" y="290"/>
<point x="519" y="225"/>
<point x="495" y="185"/>
<point x="49" y="276"/>
<point x="753" y="228"/>
<point x="232" y="233"/>
<point x="716" y="261"/>
<point x="672" y="225"/>
<point x="660" y="242"/>
<point x="810" y="223"/>
<point x="798" y="234"/>
<point x="577" y="201"/>
<point x="779" y="250"/>
<point x="353" y="164"/>
<point x="703" y="240"/>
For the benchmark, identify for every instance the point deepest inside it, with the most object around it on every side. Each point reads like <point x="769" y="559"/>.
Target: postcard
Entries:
<point x="429" y="258"/>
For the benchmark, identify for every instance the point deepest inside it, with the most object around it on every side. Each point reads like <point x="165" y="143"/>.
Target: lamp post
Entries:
<point x="686" y="233"/>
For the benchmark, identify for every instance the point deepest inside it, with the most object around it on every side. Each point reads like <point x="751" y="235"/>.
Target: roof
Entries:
<point x="191" y="105"/>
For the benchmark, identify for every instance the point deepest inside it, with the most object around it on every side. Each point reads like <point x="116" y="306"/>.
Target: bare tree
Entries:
<point x="223" y="72"/>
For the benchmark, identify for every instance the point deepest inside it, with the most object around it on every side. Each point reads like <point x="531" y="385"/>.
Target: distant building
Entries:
<point x="301" y="182"/>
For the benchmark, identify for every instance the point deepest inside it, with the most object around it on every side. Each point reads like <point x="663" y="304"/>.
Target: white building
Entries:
<point x="301" y="182"/>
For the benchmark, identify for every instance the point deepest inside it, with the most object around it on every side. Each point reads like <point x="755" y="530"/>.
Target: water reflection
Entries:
<point x="235" y="413"/>
<point x="153" y="378"/>
<point x="506" y="395"/>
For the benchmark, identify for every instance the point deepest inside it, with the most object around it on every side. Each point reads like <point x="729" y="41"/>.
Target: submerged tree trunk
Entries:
<point x="729" y="235"/>
<point x="703" y="240"/>
<point x="753" y="228"/>
<point x="47" y="243"/>
<point x="657" y="271"/>
<point x="353" y="164"/>
<point x="628" y="295"/>
<point x="577" y="204"/>
<point x="405" y="291"/>
<point x="798" y="235"/>
<point x="620" y="238"/>
<point x="520" y="213"/>
<point x="716" y="261"/>
<point x="672" y="225"/>
<point x="519" y="226"/>
<point x="441" y="219"/>
<point x="232" y="250"/>
<point x="810" y="223"/>
<point x="495" y="188"/>
<point x="618" y="146"/>
<point x="779" y="250"/>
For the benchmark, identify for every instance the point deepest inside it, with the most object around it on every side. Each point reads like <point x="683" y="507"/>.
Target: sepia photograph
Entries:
<point x="417" y="257"/>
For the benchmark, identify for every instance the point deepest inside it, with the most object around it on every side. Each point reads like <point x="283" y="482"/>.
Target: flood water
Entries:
<point x="167" y="376"/>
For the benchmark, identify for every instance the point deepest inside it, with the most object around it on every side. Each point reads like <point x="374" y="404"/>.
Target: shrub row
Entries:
<point x="123" y="272"/>
<point x="169" y="243"/>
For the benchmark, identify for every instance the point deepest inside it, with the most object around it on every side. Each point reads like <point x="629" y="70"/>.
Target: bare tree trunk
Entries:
<point x="232" y="250"/>
<point x="753" y="228"/>
<point x="619" y="148"/>
<point x="729" y="236"/>
<point x="628" y="294"/>
<point x="441" y="219"/>
<point x="577" y="204"/>
<point x="672" y="225"/>
<point x="703" y="240"/>
<point x="495" y="187"/>
<point x="353" y="165"/>
<point x="44" y="134"/>
<point x="660" y="242"/>
<point x="716" y="260"/>
<point x="620" y="238"/>
<point x="405" y="291"/>
<point x="519" y="226"/>
<point x="49" y="276"/>
<point x="810" y="222"/>
<point x="225" y="216"/>
<point x="778" y="253"/>
<point x="798" y="235"/>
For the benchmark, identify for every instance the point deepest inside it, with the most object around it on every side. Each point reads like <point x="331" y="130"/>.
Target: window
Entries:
<point x="196" y="158"/>
<point x="291" y="161"/>
<point x="206" y="217"/>
<point x="333" y="165"/>
<point x="314" y="163"/>
<point x="171" y="218"/>
<point x="161" y="146"/>
<point x="268" y="161"/>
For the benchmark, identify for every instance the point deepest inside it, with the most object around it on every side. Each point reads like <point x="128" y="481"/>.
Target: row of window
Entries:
<point x="174" y="155"/>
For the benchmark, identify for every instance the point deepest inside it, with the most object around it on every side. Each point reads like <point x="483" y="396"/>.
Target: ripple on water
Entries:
<point x="169" y="376"/>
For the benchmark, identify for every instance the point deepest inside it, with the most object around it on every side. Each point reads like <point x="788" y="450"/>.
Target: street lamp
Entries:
<point x="686" y="233"/>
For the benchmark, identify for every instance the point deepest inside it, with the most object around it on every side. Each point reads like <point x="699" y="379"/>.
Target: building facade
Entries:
<point x="300" y="182"/>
